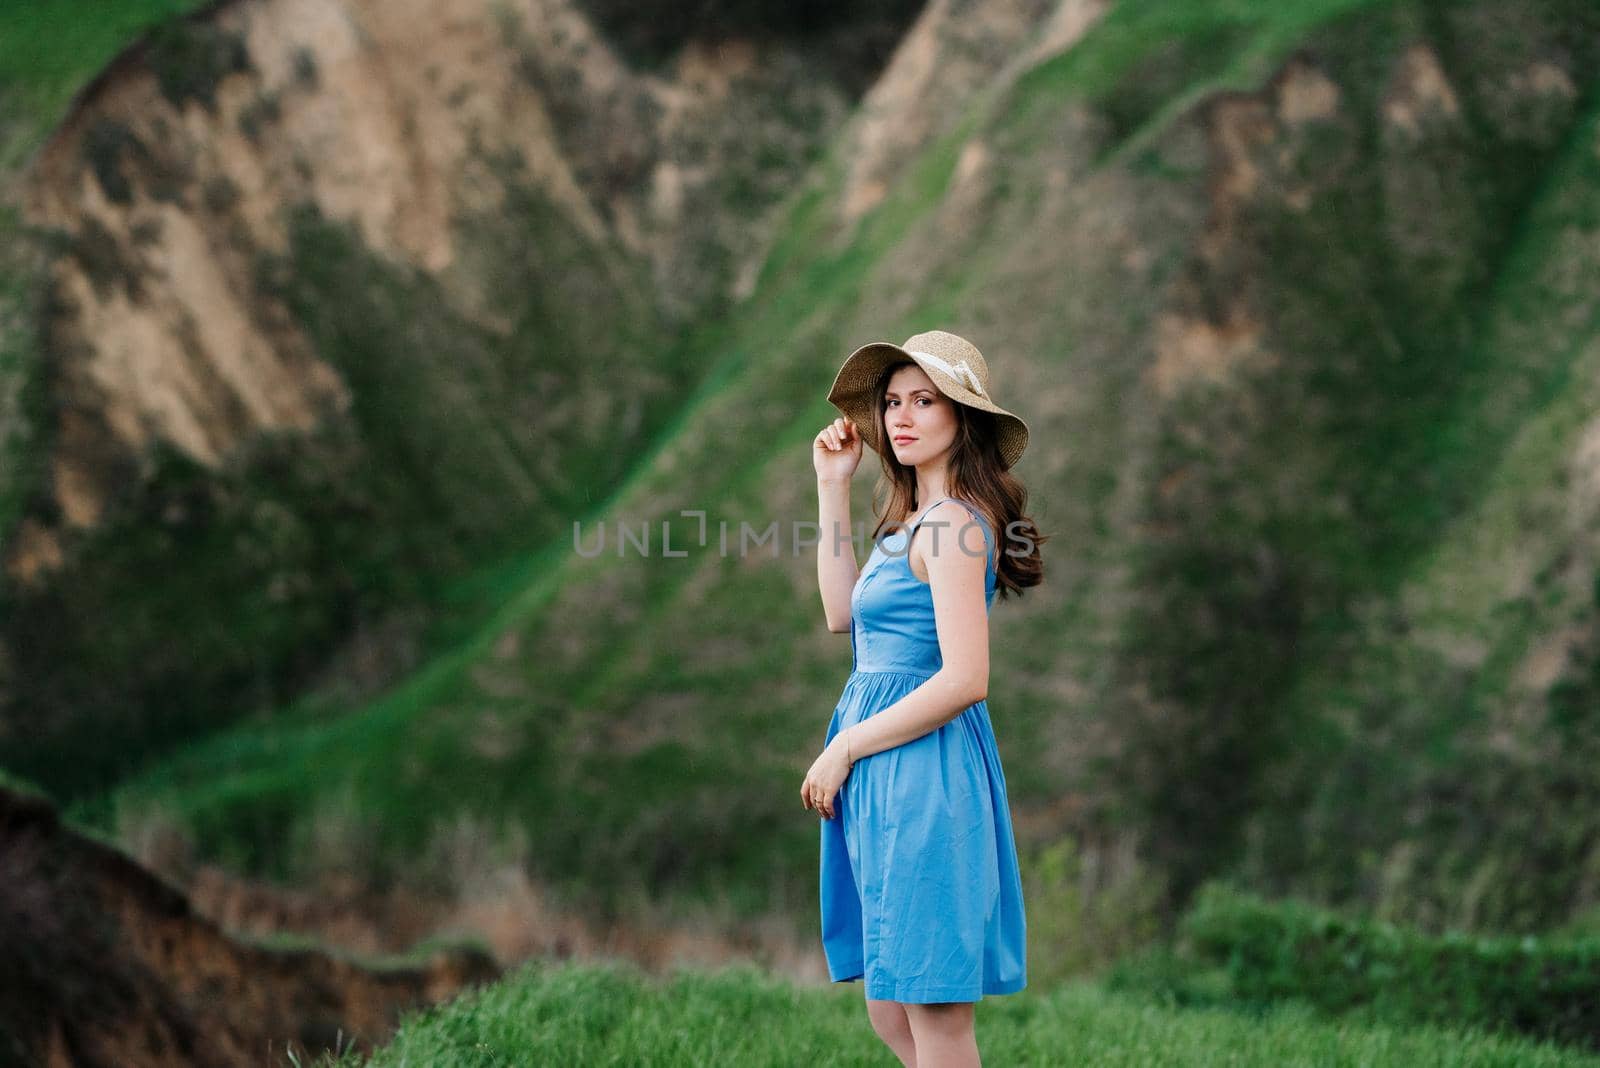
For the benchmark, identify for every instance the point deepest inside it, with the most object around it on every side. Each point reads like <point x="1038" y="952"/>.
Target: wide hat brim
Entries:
<point x="853" y="393"/>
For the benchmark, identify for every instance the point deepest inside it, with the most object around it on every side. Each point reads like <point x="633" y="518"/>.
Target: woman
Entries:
<point x="921" y="896"/>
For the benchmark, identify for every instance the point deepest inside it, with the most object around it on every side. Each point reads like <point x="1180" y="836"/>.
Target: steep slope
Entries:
<point x="1277" y="291"/>
<point x="1412" y="283"/>
<point x="107" y="965"/>
<point x="343" y="301"/>
<point x="1454" y="726"/>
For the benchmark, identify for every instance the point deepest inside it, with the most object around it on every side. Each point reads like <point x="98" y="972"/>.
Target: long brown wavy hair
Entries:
<point x="977" y="474"/>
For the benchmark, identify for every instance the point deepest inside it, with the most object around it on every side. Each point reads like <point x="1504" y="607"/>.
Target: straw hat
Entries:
<point x="958" y="371"/>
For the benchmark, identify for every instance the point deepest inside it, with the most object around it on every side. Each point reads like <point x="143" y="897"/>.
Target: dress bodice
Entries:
<point x="891" y="610"/>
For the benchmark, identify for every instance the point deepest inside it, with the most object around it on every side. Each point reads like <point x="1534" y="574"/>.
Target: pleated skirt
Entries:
<point x="921" y="895"/>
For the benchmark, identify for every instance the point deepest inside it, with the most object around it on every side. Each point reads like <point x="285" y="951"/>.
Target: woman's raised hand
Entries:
<point x="837" y="449"/>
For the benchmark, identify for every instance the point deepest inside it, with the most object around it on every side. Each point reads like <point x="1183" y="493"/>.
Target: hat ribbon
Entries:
<point x="958" y="370"/>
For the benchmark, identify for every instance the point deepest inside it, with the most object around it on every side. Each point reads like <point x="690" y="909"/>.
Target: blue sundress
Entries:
<point x="921" y="893"/>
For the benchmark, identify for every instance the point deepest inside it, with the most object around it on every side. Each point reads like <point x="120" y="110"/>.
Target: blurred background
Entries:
<point x="323" y="322"/>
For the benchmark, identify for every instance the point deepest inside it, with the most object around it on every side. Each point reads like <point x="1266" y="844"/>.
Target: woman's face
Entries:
<point x="915" y="412"/>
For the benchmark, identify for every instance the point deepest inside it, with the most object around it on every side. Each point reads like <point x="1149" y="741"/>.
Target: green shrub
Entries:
<point x="1235" y="946"/>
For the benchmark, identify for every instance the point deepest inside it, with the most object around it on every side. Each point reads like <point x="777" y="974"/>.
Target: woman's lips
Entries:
<point x="901" y="439"/>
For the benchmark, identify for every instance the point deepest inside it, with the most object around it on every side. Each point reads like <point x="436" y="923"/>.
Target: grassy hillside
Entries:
<point x="344" y="557"/>
<point x="1271" y="982"/>
<point x="1214" y="665"/>
<point x="48" y="51"/>
<point x="594" y="1014"/>
<point x="1453" y="727"/>
<point x="1426" y="297"/>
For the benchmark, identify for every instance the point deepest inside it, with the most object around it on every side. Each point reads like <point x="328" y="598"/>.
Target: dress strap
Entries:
<point x="989" y="550"/>
<point x="918" y="521"/>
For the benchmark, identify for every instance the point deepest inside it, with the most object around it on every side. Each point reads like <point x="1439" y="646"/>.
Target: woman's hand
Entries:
<point x="836" y="450"/>
<point x="828" y="773"/>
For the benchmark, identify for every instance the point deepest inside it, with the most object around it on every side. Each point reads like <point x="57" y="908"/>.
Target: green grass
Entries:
<point x="50" y="48"/>
<point x="612" y="1014"/>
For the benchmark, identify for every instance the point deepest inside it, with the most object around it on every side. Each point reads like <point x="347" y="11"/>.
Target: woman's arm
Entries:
<point x="958" y="579"/>
<point x="836" y="553"/>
